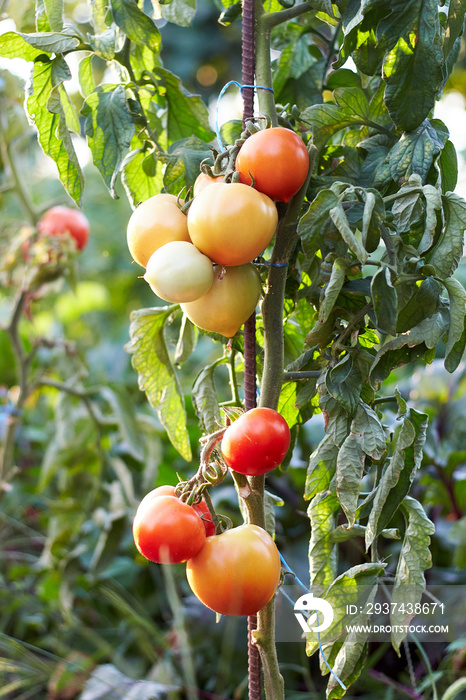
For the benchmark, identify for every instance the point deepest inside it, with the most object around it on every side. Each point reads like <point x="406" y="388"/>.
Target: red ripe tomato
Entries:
<point x="166" y="530"/>
<point x="256" y="442"/>
<point x="60" y="220"/>
<point x="236" y="572"/>
<point x="277" y="160"/>
<point x="200" y="508"/>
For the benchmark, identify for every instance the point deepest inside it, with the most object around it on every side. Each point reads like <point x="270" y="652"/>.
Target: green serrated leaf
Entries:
<point x="349" y="472"/>
<point x="30" y="46"/>
<point x="138" y="26"/>
<point x="369" y="431"/>
<point x="54" y="9"/>
<point x="109" y="129"/>
<point x="448" y="164"/>
<point x="415" y="152"/>
<point x="384" y="299"/>
<point x="179" y="12"/>
<point x="312" y="224"/>
<point x="48" y="106"/>
<point x="205" y="399"/>
<point x="187" y="114"/>
<point x="86" y="78"/>
<point x="423" y="304"/>
<point x="399" y="473"/>
<point x="156" y="374"/>
<point x="104" y="44"/>
<point x="287" y="403"/>
<point x="414" y="559"/>
<point x="322" y="552"/>
<point x="138" y="184"/>
<point x="447" y="252"/>
<point x="184" y="160"/>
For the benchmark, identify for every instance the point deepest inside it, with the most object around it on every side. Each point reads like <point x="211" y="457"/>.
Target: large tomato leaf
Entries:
<point x="156" y="373"/>
<point x="322" y="551"/>
<point x="48" y="105"/>
<point x="138" y="26"/>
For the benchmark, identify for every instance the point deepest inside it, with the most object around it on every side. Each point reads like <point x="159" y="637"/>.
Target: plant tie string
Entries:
<point x="304" y="587"/>
<point x="222" y="92"/>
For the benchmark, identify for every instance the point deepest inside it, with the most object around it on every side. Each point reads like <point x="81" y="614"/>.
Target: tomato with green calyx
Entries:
<point x="236" y="572"/>
<point x="153" y="223"/>
<point x="201" y="508"/>
<point x="179" y="272"/>
<point x="203" y="180"/>
<point x="60" y="220"/>
<point x="256" y="442"/>
<point x="231" y="223"/>
<point x="277" y="160"/>
<point x="230" y="301"/>
<point x="166" y="530"/>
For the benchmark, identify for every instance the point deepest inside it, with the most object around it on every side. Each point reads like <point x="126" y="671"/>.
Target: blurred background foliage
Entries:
<point x="74" y="593"/>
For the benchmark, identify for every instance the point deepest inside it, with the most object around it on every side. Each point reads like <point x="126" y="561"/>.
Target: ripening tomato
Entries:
<point x="59" y="220"/>
<point x="256" y="442"/>
<point x="230" y="301"/>
<point x="201" y="508"/>
<point x="276" y="159"/>
<point x="231" y="223"/>
<point x="203" y="180"/>
<point x="179" y="272"/>
<point x="236" y="572"/>
<point x="155" y="222"/>
<point x="166" y="530"/>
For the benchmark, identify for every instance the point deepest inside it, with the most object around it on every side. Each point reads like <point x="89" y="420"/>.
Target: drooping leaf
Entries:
<point x="457" y="296"/>
<point x="415" y="557"/>
<point x="447" y="252"/>
<point x="354" y="587"/>
<point x="338" y="216"/>
<point x="104" y="45"/>
<point x="287" y="403"/>
<point x="369" y="431"/>
<point x="423" y="304"/>
<point x="139" y="184"/>
<point x="205" y="399"/>
<point x="399" y="473"/>
<point x="156" y="374"/>
<point x="86" y="78"/>
<point x="54" y="9"/>
<point x="350" y="467"/>
<point x="311" y="224"/>
<point x="344" y="382"/>
<point x="384" y="299"/>
<point x="322" y="551"/>
<point x="138" y="26"/>
<point x="109" y="129"/>
<point x="455" y="24"/>
<point x="412" y="67"/>
<point x="48" y="106"/>
<point x="333" y="288"/>
<point x="322" y="465"/>
<point x="448" y="165"/>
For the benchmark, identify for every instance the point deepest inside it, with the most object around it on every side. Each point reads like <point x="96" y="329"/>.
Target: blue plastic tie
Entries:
<point x="317" y="614"/>
<point x="222" y="92"/>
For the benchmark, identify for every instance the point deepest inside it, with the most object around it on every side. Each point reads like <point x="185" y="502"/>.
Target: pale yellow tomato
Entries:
<point x="229" y="302"/>
<point x="178" y="272"/>
<point x="155" y="222"/>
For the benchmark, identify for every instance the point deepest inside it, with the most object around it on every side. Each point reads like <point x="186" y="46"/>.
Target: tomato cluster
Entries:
<point x="234" y="573"/>
<point x="203" y="260"/>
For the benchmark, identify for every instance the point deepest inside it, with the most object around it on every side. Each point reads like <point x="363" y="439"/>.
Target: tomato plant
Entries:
<point x="256" y="442"/>
<point x="156" y="221"/>
<point x="236" y="572"/>
<point x="231" y="223"/>
<point x="166" y="530"/>
<point x="178" y="272"/>
<point x="230" y="301"/>
<point x="276" y="161"/>
<point x="60" y="220"/>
